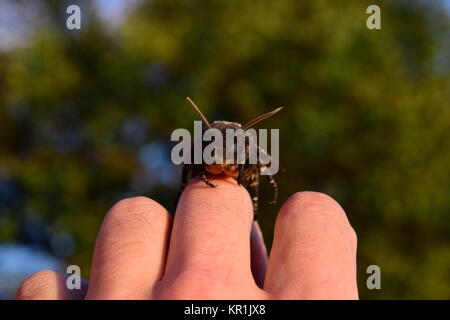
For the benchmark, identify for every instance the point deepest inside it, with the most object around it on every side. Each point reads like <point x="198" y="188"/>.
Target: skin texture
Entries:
<point x="212" y="249"/>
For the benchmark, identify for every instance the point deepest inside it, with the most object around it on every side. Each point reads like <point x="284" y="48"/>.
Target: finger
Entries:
<point x="314" y="251"/>
<point x="210" y="242"/>
<point x="258" y="255"/>
<point x="49" y="285"/>
<point x="130" y="251"/>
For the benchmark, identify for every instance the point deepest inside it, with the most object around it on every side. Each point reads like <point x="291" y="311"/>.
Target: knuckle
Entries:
<point x="309" y="201"/>
<point x="304" y="204"/>
<point x="35" y="284"/>
<point x="134" y="202"/>
<point x="136" y="210"/>
<point x="233" y="198"/>
<point x="190" y="286"/>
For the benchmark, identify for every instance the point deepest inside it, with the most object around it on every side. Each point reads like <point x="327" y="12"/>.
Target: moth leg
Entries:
<point x="254" y="194"/>
<point x="274" y="186"/>
<point x="272" y="182"/>
<point x="184" y="176"/>
<point x="241" y="170"/>
<point x="205" y="180"/>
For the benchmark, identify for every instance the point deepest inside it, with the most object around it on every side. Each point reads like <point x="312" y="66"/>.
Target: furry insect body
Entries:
<point x="245" y="173"/>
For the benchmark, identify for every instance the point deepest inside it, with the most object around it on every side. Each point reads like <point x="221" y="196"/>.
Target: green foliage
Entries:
<point x="367" y="117"/>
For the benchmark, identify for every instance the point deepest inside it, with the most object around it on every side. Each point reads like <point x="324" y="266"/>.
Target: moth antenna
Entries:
<point x="261" y="117"/>
<point x="199" y="112"/>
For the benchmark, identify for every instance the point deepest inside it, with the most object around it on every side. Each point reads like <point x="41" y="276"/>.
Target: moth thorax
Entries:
<point x="231" y="170"/>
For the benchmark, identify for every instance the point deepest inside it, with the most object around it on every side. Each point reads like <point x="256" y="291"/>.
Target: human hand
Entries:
<point x="212" y="249"/>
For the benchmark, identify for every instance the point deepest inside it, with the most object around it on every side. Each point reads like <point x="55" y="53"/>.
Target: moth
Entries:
<point x="246" y="174"/>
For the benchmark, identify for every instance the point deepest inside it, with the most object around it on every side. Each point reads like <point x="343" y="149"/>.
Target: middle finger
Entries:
<point x="210" y="240"/>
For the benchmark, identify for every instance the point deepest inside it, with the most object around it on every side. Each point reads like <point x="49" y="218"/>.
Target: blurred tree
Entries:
<point x="85" y="118"/>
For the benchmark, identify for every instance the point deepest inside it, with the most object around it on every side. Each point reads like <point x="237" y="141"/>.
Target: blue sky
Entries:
<point x="17" y="19"/>
<point x="447" y="4"/>
<point x="113" y="11"/>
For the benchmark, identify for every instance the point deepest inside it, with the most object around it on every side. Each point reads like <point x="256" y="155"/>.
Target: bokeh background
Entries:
<point x="86" y="118"/>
